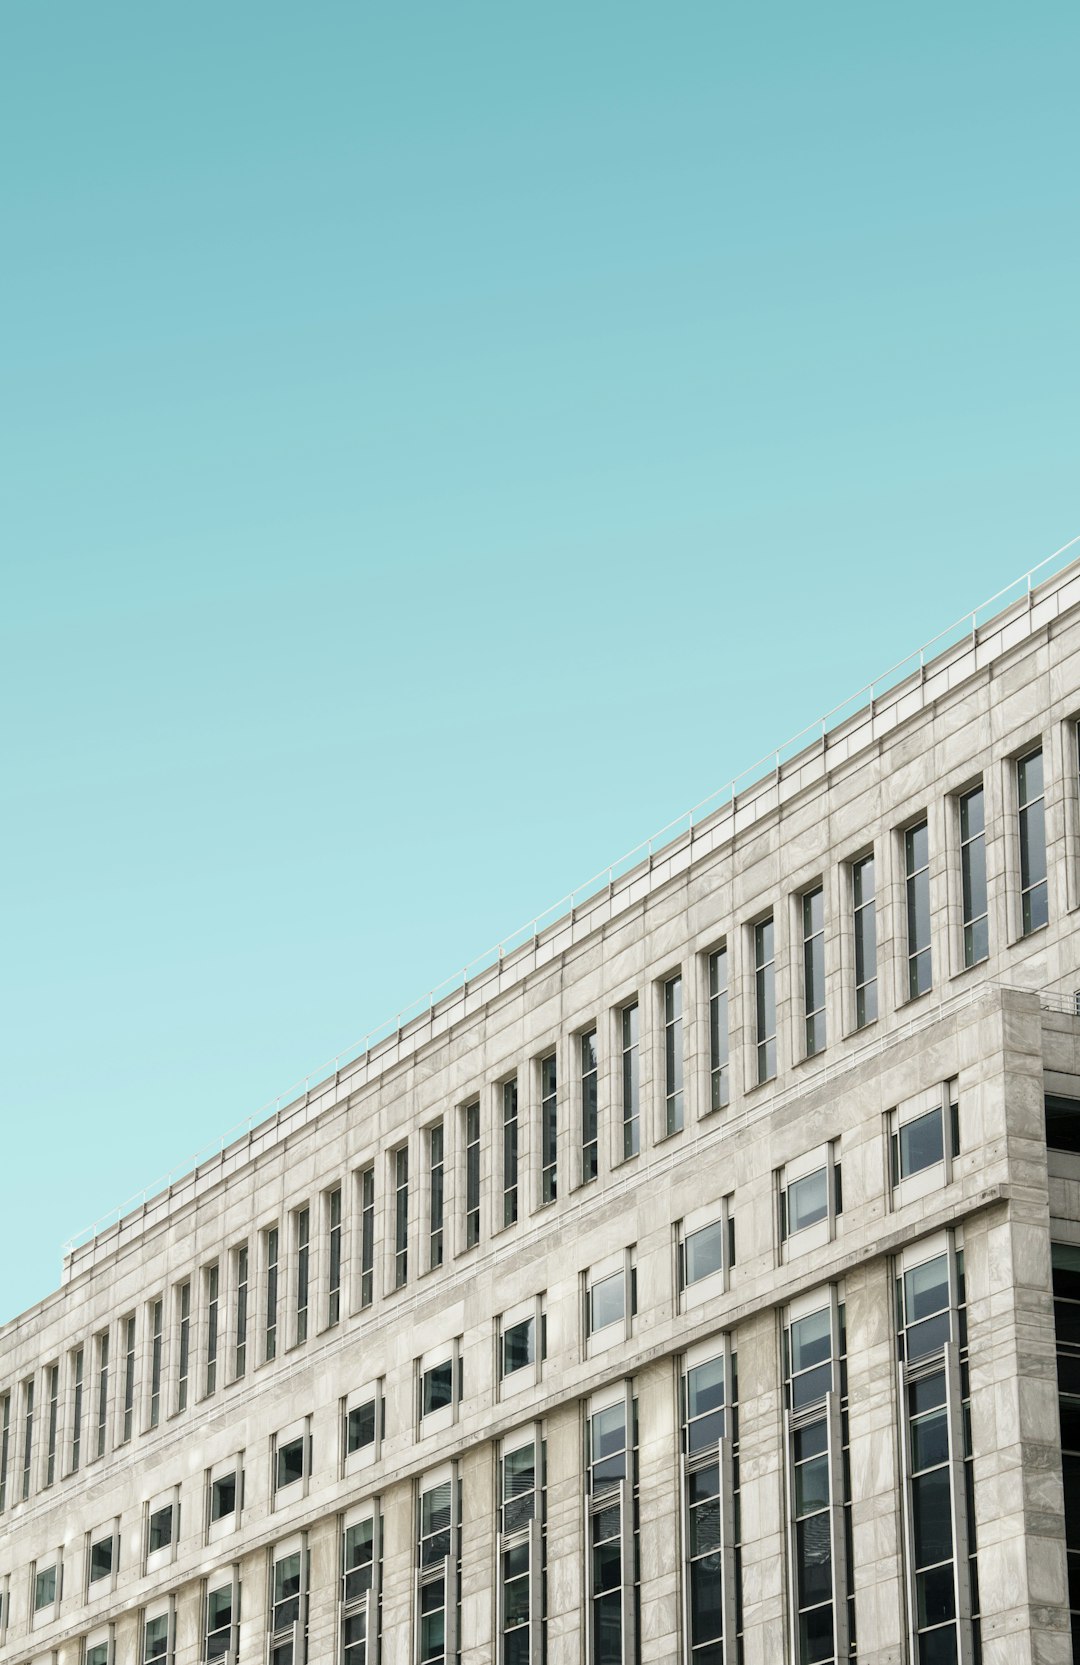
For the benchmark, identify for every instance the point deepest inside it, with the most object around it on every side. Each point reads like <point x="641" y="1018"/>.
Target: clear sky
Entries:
<point x="438" y="444"/>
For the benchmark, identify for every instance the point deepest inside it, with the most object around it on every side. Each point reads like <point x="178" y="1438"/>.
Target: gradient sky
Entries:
<point x="440" y="443"/>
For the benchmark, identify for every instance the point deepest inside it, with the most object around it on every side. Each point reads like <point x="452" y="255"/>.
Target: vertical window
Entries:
<point x="240" y="1352"/>
<point x="102" y="1391"/>
<point x="361" y="1583"/>
<point x="1065" y="1258"/>
<point x="521" y="1553"/>
<point x="942" y="1573"/>
<point x="28" y="1434"/>
<point x="401" y="1216"/>
<point x="5" y="1446"/>
<point x="157" y="1639"/>
<point x="54" y="1413"/>
<point x="438" y="1573"/>
<point x="435" y="1177"/>
<point x="864" y="910"/>
<point x="76" y="1410"/>
<point x="213" y="1279"/>
<point x="270" y="1255"/>
<point x="718" y="1028"/>
<point x="673" y="1055"/>
<point x="156" y="1318"/>
<point x="710" y="1442"/>
<point x="590" y="1142"/>
<point x="222" y="1620"/>
<point x="472" y="1175"/>
<point x="631" y="1084"/>
<point x="917" y="870"/>
<point x="1029" y="793"/>
<point x="510" y="1152"/>
<point x="973" y="876"/>
<point x="288" y="1605"/>
<point x="813" y="930"/>
<point x="129" y="1376"/>
<point x="549" y="1130"/>
<point x="367" y="1237"/>
<point x="815" y="1371"/>
<point x="303" y="1270"/>
<point x="333" y="1219"/>
<point x="612" y="1573"/>
<point x="184" y="1299"/>
<point x="765" y="998"/>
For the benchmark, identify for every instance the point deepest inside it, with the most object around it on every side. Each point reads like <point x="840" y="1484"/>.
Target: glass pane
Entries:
<point x="812" y="1486"/>
<point x="807" y="1201"/>
<point x="705" y="1387"/>
<point x="438" y="1387"/>
<point x="223" y="1497"/>
<point x="930" y="1440"/>
<point x="811" y="1339"/>
<point x="518" y="1346"/>
<point x="921" y="1143"/>
<point x="361" y="1429"/>
<point x="608" y="1431"/>
<point x="935" y="1596"/>
<point x="606" y="1302"/>
<point x="290" y="1463"/>
<point x="703" y="1252"/>
<point x="706" y="1608"/>
<point x="926" y="1288"/>
<point x="814" y="1560"/>
<point x="931" y="1517"/>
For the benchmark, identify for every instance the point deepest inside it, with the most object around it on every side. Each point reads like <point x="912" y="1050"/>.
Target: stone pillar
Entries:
<point x="876" y="1481"/>
<point x="761" y="1480"/>
<point x="478" y="1556"/>
<point x="660" y="1504"/>
<point x="565" y="1536"/>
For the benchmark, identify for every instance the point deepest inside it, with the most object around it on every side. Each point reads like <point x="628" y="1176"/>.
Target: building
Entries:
<point x="699" y="1281"/>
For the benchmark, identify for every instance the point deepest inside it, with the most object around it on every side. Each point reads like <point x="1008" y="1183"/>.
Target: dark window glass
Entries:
<point x="290" y="1463"/>
<point x="361" y="1426"/>
<point x="765" y="999"/>
<point x="472" y="1175"/>
<point x="718" y="1028"/>
<point x="813" y="924"/>
<point x="865" y="922"/>
<point x="630" y="1082"/>
<point x="590" y="1145"/>
<point x="510" y="1152"/>
<point x="973" y="876"/>
<point x="549" y="1130"/>
<point x="673" y="1055"/>
<point x="917" y="866"/>
<point x="1033" y="893"/>
<point x="223" y="1497"/>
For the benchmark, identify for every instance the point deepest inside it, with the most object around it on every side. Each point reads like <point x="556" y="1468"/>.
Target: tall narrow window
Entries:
<point x="973" y="876"/>
<point x="156" y="1320"/>
<point x="102" y="1391"/>
<point x="333" y="1223"/>
<point x="590" y="1142"/>
<point x="303" y="1271"/>
<point x="612" y="1549"/>
<point x="77" y="1367"/>
<point x="631" y="1083"/>
<point x="813" y="929"/>
<point x="54" y="1413"/>
<point x="710" y="1442"/>
<point x="521" y="1553"/>
<point x="213" y="1279"/>
<point x="361" y="1584"/>
<point x="129" y="1377"/>
<point x="438" y="1573"/>
<point x="28" y="1434"/>
<point x="472" y="1175"/>
<point x="1065" y="1258"/>
<point x="288" y="1606"/>
<point x="917" y="869"/>
<point x="401" y="1216"/>
<point x="765" y="998"/>
<point x="549" y="1130"/>
<point x="184" y="1298"/>
<point x="367" y="1237"/>
<point x="1029" y="794"/>
<point x="510" y="1152"/>
<point x="718" y="1028"/>
<point x="270" y="1254"/>
<point x="222" y="1621"/>
<point x="820" y="1527"/>
<point x="240" y="1352"/>
<point x="5" y="1447"/>
<point x="435" y="1179"/>
<point x="673" y="1055"/>
<point x="864" y="908"/>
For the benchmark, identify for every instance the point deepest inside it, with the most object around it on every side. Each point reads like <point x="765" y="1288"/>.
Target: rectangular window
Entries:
<point x="631" y="1085"/>
<point x="129" y="1377"/>
<point x="5" y="1446"/>
<point x="288" y="1591"/>
<point x="401" y="1216"/>
<point x="472" y="1175"/>
<point x="438" y="1575"/>
<point x="102" y="1391"/>
<point x="222" y="1621"/>
<point x="510" y="1152"/>
<point x="303" y="1271"/>
<point x="103" y="1557"/>
<point x="240" y="1351"/>
<point x="917" y="871"/>
<point x="28" y="1434"/>
<point x="917" y="1140"/>
<point x="45" y="1588"/>
<point x="184" y="1300"/>
<point x="270" y="1259"/>
<point x="435" y="1177"/>
<point x="864" y="919"/>
<point x="606" y="1301"/>
<point x="224" y="1492"/>
<point x="521" y="1553"/>
<point x="156" y="1640"/>
<point x="708" y="1250"/>
<point x="518" y="1347"/>
<point x="612" y="1549"/>
<point x="765" y="998"/>
<point x="437" y="1387"/>
<point x="289" y="1464"/>
<point x="712" y="1557"/>
<point x="973" y="876"/>
<point x="718" y="1028"/>
<point x="159" y="1533"/>
<point x="1065" y="1260"/>
<point x="213" y="1279"/>
<point x="76" y="1410"/>
<point x="333" y="1217"/>
<point x="549" y="1130"/>
<point x="1029" y="793"/>
<point x="819" y="1523"/>
<point x="810" y="1197"/>
<point x="361" y="1581"/>
<point x="673" y="1055"/>
<point x="590" y="1141"/>
<point x="97" y="1653"/>
<point x="813" y="929"/>
<point x="54" y="1414"/>
<point x="361" y="1426"/>
<point x="367" y="1237"/>
<point x="156" y="1318"/>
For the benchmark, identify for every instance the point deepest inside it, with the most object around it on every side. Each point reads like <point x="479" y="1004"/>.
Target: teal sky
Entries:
<point x="440" y="443"/>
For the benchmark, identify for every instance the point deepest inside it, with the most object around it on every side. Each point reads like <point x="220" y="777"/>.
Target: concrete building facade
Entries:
<point x="699" y="1282"/>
